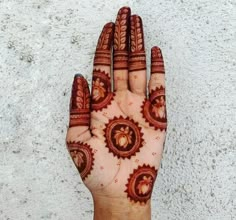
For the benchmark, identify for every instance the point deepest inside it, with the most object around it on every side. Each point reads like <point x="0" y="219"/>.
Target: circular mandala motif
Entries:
<point x="140" y="184"/>
<point x="124" y="137"/>
<point x="82" y="156"/>
<point x="101" y="90"/>
<point x="154" y="109"/>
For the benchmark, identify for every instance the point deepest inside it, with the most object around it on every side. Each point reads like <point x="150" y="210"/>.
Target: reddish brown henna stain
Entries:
<point x="157" y="63"/>
<point x="137" y="59"/>
<point x="103" y="51"/>
<point x="140" y="184"/>
<point x="154" y="109"/>
<point x="101" y="90"/>
<point x="121" y="39"/>
<point x="83" y="157"/>
<point x="123" y="136"/>
<point x="80" y="103"/>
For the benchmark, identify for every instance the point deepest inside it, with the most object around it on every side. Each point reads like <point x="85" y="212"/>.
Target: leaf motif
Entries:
<point x="140" y="41"/>
<point x="122" y="47"/>
<point x="116" y="42"/>
<point x="136" y="36"/>
<point x="139" y="35"/>
<point x="123" y="22"/>
<point x="103" y="42"/>
<point x="133" y="48"/>
<point x="140" y="47"/>
<point x="122" y="40"/>
<point x="109" y="30"/>
<point x="138" y="30"/>
<point x="116" y="35"/>
<point x="123" y="28"/>
<point x="79" y="105"/>
<point x="80" y="93"/>
<point x="122" y="34"/>
<point x="107" y="35"/>
<point x="123" y="16"/>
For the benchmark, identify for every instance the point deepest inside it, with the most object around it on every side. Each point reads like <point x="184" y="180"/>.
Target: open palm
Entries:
<point x="116" y="134"/>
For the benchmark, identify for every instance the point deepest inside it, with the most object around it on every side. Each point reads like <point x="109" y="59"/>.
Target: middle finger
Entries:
<point x="121" y="49"/>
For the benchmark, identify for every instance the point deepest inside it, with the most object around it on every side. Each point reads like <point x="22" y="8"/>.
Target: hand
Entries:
<point x="116" y="136"/>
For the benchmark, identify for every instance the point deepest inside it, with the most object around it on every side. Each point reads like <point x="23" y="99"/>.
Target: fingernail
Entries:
<point x="78" y="75"/>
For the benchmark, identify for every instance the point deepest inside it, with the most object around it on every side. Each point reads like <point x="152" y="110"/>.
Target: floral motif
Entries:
<point x="77" y="157"/>
<point x="98" y="89"/>
<point x="154" y="109"/>
<point x="101" y="90"/>
<point x="145" y="185"/>
<point x="82" y="156"/>
<point x="158" y="108"/>
<point x="140" y="184"/>
<point x="123" y="137"/>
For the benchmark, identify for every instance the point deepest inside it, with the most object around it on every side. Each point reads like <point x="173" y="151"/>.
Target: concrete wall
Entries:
<point x="43" y="43"/>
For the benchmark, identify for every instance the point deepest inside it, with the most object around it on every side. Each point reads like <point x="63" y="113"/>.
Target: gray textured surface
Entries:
<point x="44" y="43"/>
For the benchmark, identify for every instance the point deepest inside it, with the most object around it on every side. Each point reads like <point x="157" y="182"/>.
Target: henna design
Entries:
<point x="80" y="103"/>
<point x="83" y="157"/>
<point x="121" y="39"/>
<point x="101" y="90"/>
<point x="157" y="63"/>
<point x="137" y="59"/>
<point x="124" y="137"/>
<point x="103" y="51"/>
<point x="154" y="109"/>
<point x="140" y="184"/>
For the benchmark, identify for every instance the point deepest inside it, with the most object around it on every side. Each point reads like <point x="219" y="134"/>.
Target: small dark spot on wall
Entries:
<point x="29" y="58"/>
<point x="10" y="45"/>
<point x="16" y="151"/>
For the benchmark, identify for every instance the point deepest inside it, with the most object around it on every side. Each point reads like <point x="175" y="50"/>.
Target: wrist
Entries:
<point x="120" y="209"/>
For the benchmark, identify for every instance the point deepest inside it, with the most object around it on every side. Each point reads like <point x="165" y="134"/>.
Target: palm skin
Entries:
<point x="116" y="138"/>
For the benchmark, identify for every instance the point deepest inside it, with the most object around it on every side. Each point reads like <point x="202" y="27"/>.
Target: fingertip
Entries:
<point x="77" y="75"/>
<point x="109" y="25"/>
<point x="124" y="9"/>
<point x="156" y="52"/>
<point x="136" y="17"/>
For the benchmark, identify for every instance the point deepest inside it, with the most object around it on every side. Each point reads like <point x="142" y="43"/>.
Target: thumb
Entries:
<point x="79" y="111"/>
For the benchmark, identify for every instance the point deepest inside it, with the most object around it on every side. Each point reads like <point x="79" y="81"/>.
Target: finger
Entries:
<point x="137" y="58"/>
<point x="154" y="109"/>
<point x="102" y="59"/>
<point x="157" y="78"/>
<point x="101" y="85"/>
<point x="121" y="49"/>
<point x="79" y="111"/>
